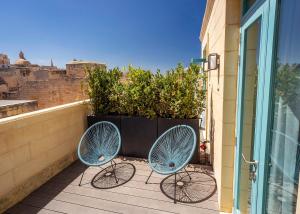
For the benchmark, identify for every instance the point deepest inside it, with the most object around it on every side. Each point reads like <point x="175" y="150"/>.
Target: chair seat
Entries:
<point x="173" y="150"/>
<point x="94" y="159"/>
<point x="99" y="144"/>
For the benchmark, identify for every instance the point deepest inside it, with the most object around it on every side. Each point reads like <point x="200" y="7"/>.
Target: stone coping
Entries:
<point x="6" y="103"/>
<point x="42" y="111"/>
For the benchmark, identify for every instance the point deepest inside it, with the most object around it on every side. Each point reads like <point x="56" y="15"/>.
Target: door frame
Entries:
<point x="266" y="12"/>
<point x="267" y="103"/>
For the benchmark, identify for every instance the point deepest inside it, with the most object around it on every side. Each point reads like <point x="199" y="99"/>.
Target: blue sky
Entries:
<point x="148" y="33"/>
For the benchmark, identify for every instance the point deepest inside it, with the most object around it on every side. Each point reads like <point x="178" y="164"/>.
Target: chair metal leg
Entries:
<point x="175" y="184"/>
<point x="81" y="178"/>
<point x="148" y="177"/>
<point x="188" y="174"/>
<point x="114" y="173"/>
<point x="114" y="163"/>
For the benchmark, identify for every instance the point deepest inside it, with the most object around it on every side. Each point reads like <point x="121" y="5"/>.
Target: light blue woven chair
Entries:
<point x="172" y="151"/>
<point x="99" y="145"/>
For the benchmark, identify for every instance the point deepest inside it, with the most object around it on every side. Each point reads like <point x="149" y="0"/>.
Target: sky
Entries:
<point x="152" y="34"/>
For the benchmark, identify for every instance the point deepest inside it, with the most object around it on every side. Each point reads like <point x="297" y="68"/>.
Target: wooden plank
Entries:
<point x="25" y="209"/>
<point x="140" y="189"/>
<point x="90" y="202"/>
<point x="139" y="176"/>
<point x="62" y="206"/>
<point x="157" y="195"/>
<point x="166" y="205"/>
<point x="137" y="182"/>
<point x="139" y="165"/>
<point x="62" y="194"/>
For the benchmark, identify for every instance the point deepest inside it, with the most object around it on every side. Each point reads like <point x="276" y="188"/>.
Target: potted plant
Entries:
<point x="181" y="100"/>
<point x="102" y="84"/>
<point x="144" y="104"/>
<point x="139" y="127"/>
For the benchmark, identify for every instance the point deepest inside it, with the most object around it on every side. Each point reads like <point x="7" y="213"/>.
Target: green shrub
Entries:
<point x="101" y="84"/>
<point x="181" y="95"/>
<point x="139" y="92"/>
<point x="176" y="94"/>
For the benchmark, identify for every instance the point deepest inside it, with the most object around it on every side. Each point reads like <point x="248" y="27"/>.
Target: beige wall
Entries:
<point x="35" y="146"/>
<point x="222" y="36"/>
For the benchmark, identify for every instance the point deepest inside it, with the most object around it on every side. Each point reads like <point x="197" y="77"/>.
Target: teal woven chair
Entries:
<point x="99" y="145"/>
<point x="172" y="151"/>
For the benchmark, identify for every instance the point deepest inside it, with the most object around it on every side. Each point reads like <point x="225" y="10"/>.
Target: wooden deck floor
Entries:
<point x="63" y="195"/>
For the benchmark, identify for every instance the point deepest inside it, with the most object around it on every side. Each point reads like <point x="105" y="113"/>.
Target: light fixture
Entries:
<point x="213" y="61"/>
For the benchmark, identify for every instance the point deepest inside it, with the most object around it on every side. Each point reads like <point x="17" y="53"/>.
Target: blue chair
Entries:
<point x="172" y="151"/>
<point x="99" y="145"/>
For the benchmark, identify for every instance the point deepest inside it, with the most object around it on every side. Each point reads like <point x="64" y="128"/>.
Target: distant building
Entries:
<point x="22" y="61"/>
<point x="4" y="61"/>
<point x="76" y="68"/>
<point x="47" y="84"/>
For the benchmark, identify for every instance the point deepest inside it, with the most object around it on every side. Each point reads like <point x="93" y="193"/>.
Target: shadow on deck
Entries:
<point x="61" y="194"/>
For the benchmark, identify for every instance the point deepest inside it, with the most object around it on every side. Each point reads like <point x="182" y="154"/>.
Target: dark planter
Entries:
<point x="115" y="119"/>
<point x="138" y="135"/>
<point x="164" y="124"/>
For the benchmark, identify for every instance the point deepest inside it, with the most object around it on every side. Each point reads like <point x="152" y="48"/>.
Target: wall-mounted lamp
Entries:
<point x="213" y="61"/>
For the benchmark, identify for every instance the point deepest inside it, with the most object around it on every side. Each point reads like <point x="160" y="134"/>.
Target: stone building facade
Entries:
<point x="4" y="61"/>
<point x="49" y="85"/>
<point x="76" y="68"/>
<point x="220" y="34"/>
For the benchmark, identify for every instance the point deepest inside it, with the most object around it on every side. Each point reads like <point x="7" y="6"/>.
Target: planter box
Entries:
<point x="164" y="124"/>
<point x="115" y="119"/>
<point x="138" y="134"/>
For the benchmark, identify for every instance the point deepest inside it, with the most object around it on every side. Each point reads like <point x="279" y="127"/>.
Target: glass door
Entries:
<point x="267" y="164"/>
<point x="249" y="111"/>
<point x="283" y="156"/>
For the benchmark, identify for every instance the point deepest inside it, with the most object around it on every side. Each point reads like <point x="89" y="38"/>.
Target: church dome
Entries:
<point x="22" y="62"/>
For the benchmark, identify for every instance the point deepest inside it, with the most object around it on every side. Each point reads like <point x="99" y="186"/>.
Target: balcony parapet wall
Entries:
<point x="36" y="146"/>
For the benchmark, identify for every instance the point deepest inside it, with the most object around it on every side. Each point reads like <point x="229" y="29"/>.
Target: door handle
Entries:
<point x="252" y="168"/>
<point x="249" y="162"/>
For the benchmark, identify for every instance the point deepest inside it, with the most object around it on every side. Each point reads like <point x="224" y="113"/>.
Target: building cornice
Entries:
<point x="208" y="10"/>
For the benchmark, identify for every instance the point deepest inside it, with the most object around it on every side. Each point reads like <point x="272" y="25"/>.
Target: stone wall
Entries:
<point x="53" y="92"/>
<point x="76" y="68"/>
<point x="49" y="86"/>
<point x="35" y="146"/>
<point x="220" y="35"/>
<point x="16" y="107"/>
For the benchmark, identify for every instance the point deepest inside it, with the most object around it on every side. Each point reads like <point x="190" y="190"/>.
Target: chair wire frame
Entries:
<point x="172" y="151"/>
<point x="99" y="145"/>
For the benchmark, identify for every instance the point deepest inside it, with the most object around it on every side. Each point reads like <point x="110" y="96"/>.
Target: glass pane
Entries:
<point x="284" y="158"/>
<point x="249" y="111"/>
